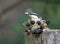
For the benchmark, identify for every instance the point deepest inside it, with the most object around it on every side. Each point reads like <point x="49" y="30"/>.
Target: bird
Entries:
<point x="37" y="24"/>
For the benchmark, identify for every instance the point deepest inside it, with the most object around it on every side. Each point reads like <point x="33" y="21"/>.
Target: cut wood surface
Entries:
<point x="51" y="37"/>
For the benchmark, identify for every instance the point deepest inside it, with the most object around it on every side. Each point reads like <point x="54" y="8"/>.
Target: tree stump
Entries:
<point x="51" y="37"/>
<point x="30" y="39"/>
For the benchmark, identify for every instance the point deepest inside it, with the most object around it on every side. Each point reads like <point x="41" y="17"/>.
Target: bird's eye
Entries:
<point x="28" y="24"/>
<point x="32" y="22"/>
<point x="38" y="22"/>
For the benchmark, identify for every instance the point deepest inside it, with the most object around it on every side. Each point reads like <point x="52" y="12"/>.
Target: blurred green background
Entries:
<point x="47" y="9"/>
